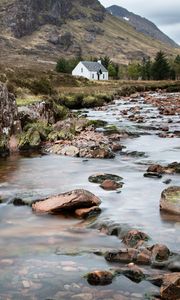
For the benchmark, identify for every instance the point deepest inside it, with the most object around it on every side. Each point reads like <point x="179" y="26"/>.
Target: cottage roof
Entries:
<point x="94" y="66"/>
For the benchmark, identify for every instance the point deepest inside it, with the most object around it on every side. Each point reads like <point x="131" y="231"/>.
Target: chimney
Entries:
<point x="99" y="61"/>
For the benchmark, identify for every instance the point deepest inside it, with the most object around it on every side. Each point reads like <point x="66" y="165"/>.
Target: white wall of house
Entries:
<point x="81" y="70"/>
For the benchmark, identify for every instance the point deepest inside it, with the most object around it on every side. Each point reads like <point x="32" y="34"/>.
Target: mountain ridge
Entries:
<point x="141" y="24"/>
<point x="40" y="31"/>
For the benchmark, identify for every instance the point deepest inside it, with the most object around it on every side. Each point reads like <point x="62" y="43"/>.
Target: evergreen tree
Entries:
<point x="177" y="67"/>
<point x="146" y="69"/>
<point x="106" y="61"/>
<point x="160" y="67"/>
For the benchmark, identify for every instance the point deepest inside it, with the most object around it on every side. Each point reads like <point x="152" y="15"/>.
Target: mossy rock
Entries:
<point x="110" y="129"/>
<point x="170" y="200"/>
<point x="59" y="135"/>
<point x="97" y="123"/>
<point x="30" y="140"/>
<point x="4" y="150"/>
<point x="100" y="178"/>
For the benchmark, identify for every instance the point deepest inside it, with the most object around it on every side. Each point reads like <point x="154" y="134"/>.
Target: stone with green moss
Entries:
<point x="4" y="150"/>
<point x="170" y="200"/>
<point x="30" y="140"/>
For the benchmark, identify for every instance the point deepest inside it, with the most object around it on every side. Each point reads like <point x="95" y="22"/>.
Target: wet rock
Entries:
<point x="133" y="272"/>
<point x="100" y="277"/>
<point x="134" y="153"/>
<point x="101" y="177"/>
<point x="134" y="238"/>
<point x="170" y="289"/>
<point x="18" y="202"/>
<point x="69" y="201"/>
<point x="96" y="152"/>
<point x="123" y="255"/>
<point x="87" y="212"/>
<point x="144" y="257"/>
<point x="160" y="252"/>
<point x="174" y="266"/>
<point x="156" y="280"/>
<point x="175" y="166"/>
<point x="167" y="181"/>
<point x="152" y="175"/>
<point x="170" y="200"/>
<point x="111" y="185"/>
<point x="155" y="169"/>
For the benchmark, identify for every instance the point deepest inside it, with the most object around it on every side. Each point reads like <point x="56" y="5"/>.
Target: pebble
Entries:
<point x="26" y="284"/>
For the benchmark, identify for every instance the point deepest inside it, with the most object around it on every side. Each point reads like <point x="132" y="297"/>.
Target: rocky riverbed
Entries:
<point x="124" y="252"/>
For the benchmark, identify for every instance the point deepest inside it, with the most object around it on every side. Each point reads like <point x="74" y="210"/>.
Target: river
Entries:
<point x="46" y="257"/>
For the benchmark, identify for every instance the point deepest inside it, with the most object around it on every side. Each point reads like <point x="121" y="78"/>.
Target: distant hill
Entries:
<point x="40" y="31"/>
<point x="141" y="24"/>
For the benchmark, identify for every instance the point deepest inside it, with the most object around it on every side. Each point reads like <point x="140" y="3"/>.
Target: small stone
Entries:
<point x="111" y="185"/>
<point x="26" y="284"/>
<point x="100" y="277"/>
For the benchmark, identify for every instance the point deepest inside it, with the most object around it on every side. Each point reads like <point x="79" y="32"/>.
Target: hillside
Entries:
<point x="141" y="24"/>
<point x="38" y="32"/>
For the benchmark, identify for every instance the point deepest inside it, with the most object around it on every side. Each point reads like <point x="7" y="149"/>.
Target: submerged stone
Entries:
<point x="101" y="177"/>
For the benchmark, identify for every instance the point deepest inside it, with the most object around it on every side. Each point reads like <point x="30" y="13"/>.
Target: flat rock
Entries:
<point x="170" y="289"/>
<point x="170" y="200"/>
<point x="69" y="201"/>
<point x="99" y="178"/>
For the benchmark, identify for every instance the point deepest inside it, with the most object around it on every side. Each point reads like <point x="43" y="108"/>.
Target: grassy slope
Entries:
<point x="120" y="41"/>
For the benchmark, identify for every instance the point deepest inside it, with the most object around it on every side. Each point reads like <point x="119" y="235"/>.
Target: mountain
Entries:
<point x="40" y="31"/>
<point x="141" y="24"/>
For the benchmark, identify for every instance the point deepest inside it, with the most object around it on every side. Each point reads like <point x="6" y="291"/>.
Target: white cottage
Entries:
<point x="91" y="70"/>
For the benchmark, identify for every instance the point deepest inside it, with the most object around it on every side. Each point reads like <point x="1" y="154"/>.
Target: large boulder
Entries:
<point x="170" y="200"/>
<point x="170" y="289"/>
<point x="8" y="118"/>
<point x="67" y="202"/>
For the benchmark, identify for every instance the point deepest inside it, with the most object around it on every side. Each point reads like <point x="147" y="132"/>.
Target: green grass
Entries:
<point x="27" y="101"/>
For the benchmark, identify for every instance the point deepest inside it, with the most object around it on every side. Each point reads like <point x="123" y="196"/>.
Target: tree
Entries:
<point x="134" y="71"/>
<point x="146" y="69"/>
<point x="112" y="71"/>
<point x="177" y="67"/>
<point x="67" y="65"/>
<point x="160" y="67"/>
<point x="106" y="61"/>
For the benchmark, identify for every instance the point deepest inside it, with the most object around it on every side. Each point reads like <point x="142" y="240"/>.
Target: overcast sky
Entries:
<point x="164" y="13"/>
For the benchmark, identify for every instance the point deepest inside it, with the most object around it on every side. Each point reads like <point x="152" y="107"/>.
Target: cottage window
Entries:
<point x="92" y="76"/>
<point x="103" y="76"/>
<point x="81" y="70"/>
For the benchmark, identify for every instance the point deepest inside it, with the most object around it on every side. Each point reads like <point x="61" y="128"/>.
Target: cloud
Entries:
<point x="165" y="14"/>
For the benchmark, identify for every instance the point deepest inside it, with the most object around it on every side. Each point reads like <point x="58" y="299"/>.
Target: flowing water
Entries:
<point x="46" y="257"/>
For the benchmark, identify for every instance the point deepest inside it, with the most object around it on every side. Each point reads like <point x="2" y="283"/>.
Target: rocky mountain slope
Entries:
<point x="40" y="31"/>
<point x="140" y="24"/>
